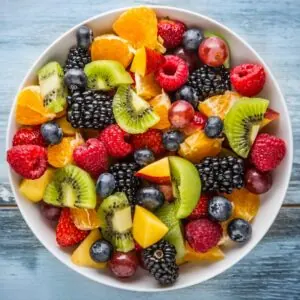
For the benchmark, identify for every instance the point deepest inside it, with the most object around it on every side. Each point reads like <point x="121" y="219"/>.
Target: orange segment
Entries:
<point x="197" y="146"/>
<point x="62" y="154"/>
<point x="161" y="105"/>
<point x="66" y="126"/>
<point x="218" y="105"/>
<point x="246" y="204"/>
<point x="147" y="87"/>
<point x="30" y="109"/>
<point x="85" y="219"/>
<point x="212" y="254"/>
<point x="138" y="26"/>
<point x="112" y="47"/>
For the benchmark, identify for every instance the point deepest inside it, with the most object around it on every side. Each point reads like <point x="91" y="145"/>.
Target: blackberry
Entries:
<point x="221" y="174"/>
<point x="125" y="180"/>
<point x="160" y="260"/>
<point x="90" y="109"/>
<point x="208" y="81"/>
<point x="77" y="58"/>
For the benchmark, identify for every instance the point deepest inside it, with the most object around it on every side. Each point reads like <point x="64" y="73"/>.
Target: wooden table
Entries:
<point x="270" y="271"/>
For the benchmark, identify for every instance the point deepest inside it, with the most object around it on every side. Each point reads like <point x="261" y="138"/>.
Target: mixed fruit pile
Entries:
<point x="138" y="150"/>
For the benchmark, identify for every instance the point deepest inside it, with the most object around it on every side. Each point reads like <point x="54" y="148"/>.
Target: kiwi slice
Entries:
<point x="115" y="214"/>
<point x="106" y="74"/>
<point x="186" y="185"/>
<point x="132" y="113"/>
<point x="53" y="91"/>
<point x="242" y="123"/>
<point x="71" y="187"/>
<point x="208" y="34"/>
<point x="174" y="236"/>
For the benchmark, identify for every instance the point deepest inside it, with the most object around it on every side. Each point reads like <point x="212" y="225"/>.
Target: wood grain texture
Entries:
<point x="270" y="271"/>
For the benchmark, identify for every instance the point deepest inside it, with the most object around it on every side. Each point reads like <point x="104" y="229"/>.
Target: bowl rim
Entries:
<point x="123" y="285"/>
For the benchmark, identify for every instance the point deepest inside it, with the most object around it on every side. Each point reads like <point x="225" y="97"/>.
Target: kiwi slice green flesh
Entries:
<point x="186" y="185"/>
<point x="132" y="113"/>
<point x="175" y="234"/>
<point x="53" y="91"/>
<point x="106" y="74"/>
<point x="115" y="213"/>
<point x="71" y="187"/>
<point x="208" y="34"/>
<point x="242" y="123"/>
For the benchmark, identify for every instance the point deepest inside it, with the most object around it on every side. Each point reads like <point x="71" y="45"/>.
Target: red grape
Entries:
<point x="124" y="265"/>
<point x="213" y="51"/>
<point x="190" y="58"/>
<point x="257" y="182"/>
<point x="181" y="113"/>
<point x="167" y="190"/>
<point x="50" y="212"/>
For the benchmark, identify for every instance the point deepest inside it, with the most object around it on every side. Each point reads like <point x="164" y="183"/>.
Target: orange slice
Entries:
<point x="138" y="26"/>
<point x="212" y="254"/>
<point x="146" y="87"/>
<point x="197" y="146"/>
<point x="66" y="126"/>
<point x="112" y="47"/>
<point x="161" y="105"/>
<point x="218" y="105"/>
<point x="62" y="154"/>
<point x="30" y="109"/>
<point x="85" y="219"/>
<point x="245" y="204"/>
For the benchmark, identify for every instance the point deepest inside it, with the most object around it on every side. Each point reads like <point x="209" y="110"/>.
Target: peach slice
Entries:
<point x="146" y="61"/>
<point x="157" y="172"/>
<point x="147" y="229"/>
<point x="270" y="115"/>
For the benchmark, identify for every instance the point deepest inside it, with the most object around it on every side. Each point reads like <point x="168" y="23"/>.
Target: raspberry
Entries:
<point x="113" y="137"/>
<point x="92" y="157"/>
<point x="171" y="31"/>
<point x="267" y="152"/>
<point x="29" y="136"/>
<point x="29" y="161"/>
<point x="151" y="139"/>
<point x="173" y="73"/>
<point x="248" y="79"/>
<point x="201" y="210"/>
<point x="203" y="234"/>
<point x="67" y="234"/>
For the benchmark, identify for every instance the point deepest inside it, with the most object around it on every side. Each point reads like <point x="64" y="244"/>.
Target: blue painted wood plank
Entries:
<point x="270" y="271"/>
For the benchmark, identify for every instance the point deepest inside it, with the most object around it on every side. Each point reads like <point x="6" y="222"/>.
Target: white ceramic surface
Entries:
<point x="271" y="202"/>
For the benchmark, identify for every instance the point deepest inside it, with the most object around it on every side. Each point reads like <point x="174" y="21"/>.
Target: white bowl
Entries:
<point x="271" y="202"/>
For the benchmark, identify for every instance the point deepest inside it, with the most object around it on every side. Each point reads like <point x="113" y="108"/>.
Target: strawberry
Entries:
<point x="151" y="139"/>
<point x="154" y="60"/>
<point x="203" y="234"/>
<point x="171" y="31"/>
<point x="29" y="161"/>
<point x="67" y="234"/>
<point x="267" y="152"/>
<point x="173" y="73"/>
<point x="248" y="79"/>
<point x="201" y="210"/>
<point x="92" y="157"/>
<point x="29" y="136"/>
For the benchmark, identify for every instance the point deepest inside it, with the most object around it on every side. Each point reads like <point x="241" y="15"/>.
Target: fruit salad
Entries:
<point x="147" y="148"/>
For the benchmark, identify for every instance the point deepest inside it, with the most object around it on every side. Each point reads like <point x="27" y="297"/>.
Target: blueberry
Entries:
<point x="105" y="185"/>
<point x="75" y="79"/>
<point x="192" y="39"/>
<point x="51" y="133"/>
<point x="143" y="157"/>
<point x="150" y="198"/>
<point x="172" y="140"/>
<point x="239" y="230"/>
<point x="84" y="37"/>
<point x="101" y="251"/>
<point x="219" y="208"/>
<point x="213" y="127"/>
<point x="188" y="94"/>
